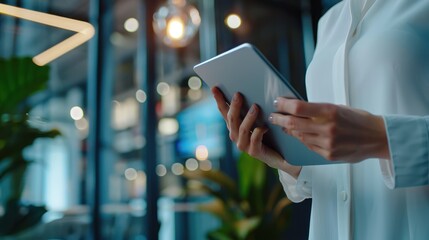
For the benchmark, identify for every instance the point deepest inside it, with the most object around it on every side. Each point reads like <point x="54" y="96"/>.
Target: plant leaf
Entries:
<point x="281" y="205"/>
<point x="21" y="78"/>
<point x="217" y="208"/>
<point x="19" y="135"/>
<point x="251" y="174"/>
<point x="244" y="227"/>
<point x="16" y="220"/>
<point x="252" y="181"/>
<point x="217" y="177"/>
<point x="220" y="234"/>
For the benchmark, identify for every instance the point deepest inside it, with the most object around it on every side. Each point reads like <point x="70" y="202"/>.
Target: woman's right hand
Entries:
<point x="247" y="138"/>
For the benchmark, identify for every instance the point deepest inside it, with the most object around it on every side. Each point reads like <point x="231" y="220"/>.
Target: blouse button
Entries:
<point x="344" y="195"/>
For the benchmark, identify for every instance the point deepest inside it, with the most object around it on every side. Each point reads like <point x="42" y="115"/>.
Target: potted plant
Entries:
<point x="20" y="78"/>
<point x="254" y="207"/>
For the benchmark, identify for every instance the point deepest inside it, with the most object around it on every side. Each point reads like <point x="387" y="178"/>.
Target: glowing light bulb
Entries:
<point x="175" y="28"/>
<point x="176" y="23"/>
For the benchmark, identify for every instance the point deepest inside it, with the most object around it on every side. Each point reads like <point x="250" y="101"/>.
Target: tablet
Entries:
<point x="244" y="69"/>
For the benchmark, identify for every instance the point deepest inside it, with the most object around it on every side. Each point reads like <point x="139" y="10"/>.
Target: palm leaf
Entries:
<point x="219" y="209"/>
<point x="217" y="177"/>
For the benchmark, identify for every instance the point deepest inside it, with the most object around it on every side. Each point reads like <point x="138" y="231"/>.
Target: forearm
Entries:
<point x="378" y="146"/>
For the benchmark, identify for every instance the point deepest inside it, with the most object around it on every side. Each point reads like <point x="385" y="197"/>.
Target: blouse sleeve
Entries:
<point x="297" y="190"/>
<point x="408" y="139"/>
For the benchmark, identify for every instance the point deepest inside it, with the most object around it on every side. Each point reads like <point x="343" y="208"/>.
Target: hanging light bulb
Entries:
<point x="176" y="23"/>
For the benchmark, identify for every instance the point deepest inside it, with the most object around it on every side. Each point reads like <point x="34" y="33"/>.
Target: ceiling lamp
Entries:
<point x="176" y="23"/>
<point x="83" y="31"/>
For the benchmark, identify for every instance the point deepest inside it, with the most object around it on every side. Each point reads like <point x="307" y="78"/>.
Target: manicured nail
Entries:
<point x="252" y="109"/>
<point x="235" y="98"/>
<point x="270" y="118"/>
<point x="275" y="102"/>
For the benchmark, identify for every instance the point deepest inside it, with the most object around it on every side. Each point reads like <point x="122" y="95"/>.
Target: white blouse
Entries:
<point x="372" y="55"/>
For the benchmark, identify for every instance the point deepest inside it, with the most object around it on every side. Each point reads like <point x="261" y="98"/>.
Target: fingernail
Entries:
<point x="252" y="109"/>
<point x="235" y="98"/>
<point x="275" y="102"/>
<point x="270" y="119"/>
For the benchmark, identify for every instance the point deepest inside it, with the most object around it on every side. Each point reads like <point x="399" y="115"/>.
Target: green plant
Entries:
<point x="253" y="208"/>
<point x="20" y="78"/>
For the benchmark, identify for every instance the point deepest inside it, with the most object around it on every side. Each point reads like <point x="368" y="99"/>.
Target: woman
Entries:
<point x="368" y="85"/>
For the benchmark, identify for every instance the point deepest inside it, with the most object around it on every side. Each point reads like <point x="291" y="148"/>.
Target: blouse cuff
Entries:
<point x="386" y="167"/>
<point x="297" y="190"/>
<point x="408" y="139"/>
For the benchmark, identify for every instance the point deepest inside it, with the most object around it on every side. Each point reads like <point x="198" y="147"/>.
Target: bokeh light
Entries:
<point x="168" y="126"/>
<point x="202" y="153"/>
<point x="81" y="124"/>
<point x="76" y="113"/>
<point x="163" y="88"/>
<point x="177" y="169"/>
<point x="161" y="170"/>
<point x="206" y="165"/>
<point x="233" y="21"/>
<point x="130" y="174"/>
<point x="131" y="25"/>
<point x="141" y="96"/>
<point x="191" y="164"/>
<point x="194" y="83"/>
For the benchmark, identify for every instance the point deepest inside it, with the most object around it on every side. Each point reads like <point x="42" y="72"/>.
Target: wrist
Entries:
<point x="292" y="170"/>
<point x="382" y="149"/>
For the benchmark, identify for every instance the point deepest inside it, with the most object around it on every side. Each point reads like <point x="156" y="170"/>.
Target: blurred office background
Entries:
<point x="133" y="116"/>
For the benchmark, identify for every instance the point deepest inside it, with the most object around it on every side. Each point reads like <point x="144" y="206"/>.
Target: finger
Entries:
<point x="309" y="138"/>
<point x="246" y="128"/>
<point x="221" y="102"/>
<point x="322" y="152"/>
<point x="300" y="108"/>
<point x="233" y="116"/>
<point x="290" y="123"/>
<point x="255" y="147"/>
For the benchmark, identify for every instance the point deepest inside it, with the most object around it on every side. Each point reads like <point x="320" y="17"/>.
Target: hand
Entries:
<point x="247" y="138"/>
<point x="338" y="133"/>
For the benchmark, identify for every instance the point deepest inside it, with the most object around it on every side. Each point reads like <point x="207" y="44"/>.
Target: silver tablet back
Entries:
<point x="244" y="69"/>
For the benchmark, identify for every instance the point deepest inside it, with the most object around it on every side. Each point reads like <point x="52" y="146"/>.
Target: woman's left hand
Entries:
<point x="338" y="133"/>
